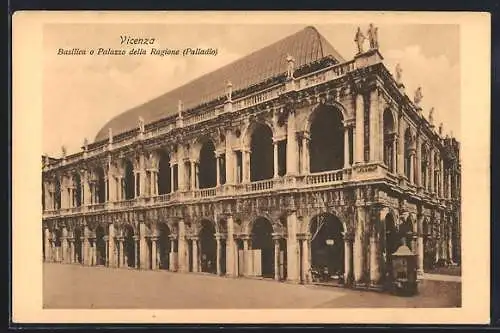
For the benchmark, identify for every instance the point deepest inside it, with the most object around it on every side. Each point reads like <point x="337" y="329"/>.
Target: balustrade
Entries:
<point x="327" y="177"/>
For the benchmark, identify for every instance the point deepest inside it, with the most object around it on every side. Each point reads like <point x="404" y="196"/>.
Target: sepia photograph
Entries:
<point x="244" y="164"/>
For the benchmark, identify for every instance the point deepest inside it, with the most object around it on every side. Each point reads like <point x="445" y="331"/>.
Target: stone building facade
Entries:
<point x="287" y="161"/>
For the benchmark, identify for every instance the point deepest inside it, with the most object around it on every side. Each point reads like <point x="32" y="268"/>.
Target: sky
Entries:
<point x="82" y="93"/>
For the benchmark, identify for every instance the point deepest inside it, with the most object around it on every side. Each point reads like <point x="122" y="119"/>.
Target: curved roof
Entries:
<point x="306" y="46"/>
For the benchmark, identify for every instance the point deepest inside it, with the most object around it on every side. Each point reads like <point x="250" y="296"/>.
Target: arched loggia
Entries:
<point x="164" y="174"/>
<point x="327" y="245"/>
<point x="130" y="247"/>
<point x="208" y="247"/>
<point x="262" y="153"/>
<point x="327" y="139"/>
<point x="262" y="241"/>
<point x="164" y="246"/>
<point x="208" y="166"/>
<point x="389" y="140"/>
<point x="77" y="194"/>
<point x="129" y="180"/>
<point x="391" y="242"/>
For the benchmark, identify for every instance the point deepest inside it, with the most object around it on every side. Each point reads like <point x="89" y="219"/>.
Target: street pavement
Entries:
<point x="79" y="287"/>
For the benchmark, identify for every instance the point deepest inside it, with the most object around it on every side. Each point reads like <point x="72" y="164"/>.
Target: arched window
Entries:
<point x="327" y="140"/>
<point x="262" y="153"/>
<point x="208" y="166"/>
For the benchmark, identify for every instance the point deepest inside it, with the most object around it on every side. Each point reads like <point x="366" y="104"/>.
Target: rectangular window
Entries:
<point x="282" y="157"/>
<point x="239" y="167"/>
<point x="222" y="169"/>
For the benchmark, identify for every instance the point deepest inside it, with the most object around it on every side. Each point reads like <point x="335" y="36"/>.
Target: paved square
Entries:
<point x="79" y="287"/>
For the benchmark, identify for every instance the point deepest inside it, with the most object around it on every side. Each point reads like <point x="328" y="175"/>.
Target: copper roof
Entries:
<point x="305" y="46"/>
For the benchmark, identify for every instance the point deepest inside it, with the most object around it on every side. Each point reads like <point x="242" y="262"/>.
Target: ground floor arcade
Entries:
<point x="301" y="249"/>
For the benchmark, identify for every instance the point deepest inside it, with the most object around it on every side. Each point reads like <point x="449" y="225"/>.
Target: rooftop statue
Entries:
<point x="85" y="143"/>
<point x="63" y="150"/>
<point x="359" y="38"/>
<point x="399" y="74"/>
<point x="291" y="66"/>
<point x="110" y="135"/>
<point x="373" y="36"/>
<point x="141" y="124"/>
<point x="418" y="96"/>
<point x="179" y="108"/>
<point x="431" y="116"/>
<point x="229" y="90"/>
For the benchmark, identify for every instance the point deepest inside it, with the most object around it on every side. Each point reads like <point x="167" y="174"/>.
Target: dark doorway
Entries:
<point x="208" y="247"/>
<point x="100" y="244"/>
<point x="262" y="153"/>
<point x="208" y="166"/>
<point x="164" y="246"/>
<point x="164" y="174"/>
<point x="78" y="245"/>
<point x="327" y="140"/>
<point x="130" y="245"/>
<point x="327" y="246"/>
<point x="392" y="242"/>
<point x="262" y="239"/>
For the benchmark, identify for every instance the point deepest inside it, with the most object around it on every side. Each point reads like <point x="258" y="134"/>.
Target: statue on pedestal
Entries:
<point x="110" y="135"/>
<point x="418" y="96"/>
<point x="431" y="116"/>
<point x="85" y="144"/>
<point x="399" y="74"/>
<point x="229" y="90"/>
<point x="373" y="36"/>
<point x="291" y="66"/>
<point x="141" y="124"/>
<point x="179" y="108"/>
<point x="63" y="150"/>
<point x="359" y="38"/>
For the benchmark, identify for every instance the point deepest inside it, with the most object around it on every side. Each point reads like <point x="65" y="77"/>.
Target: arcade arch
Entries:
<point x="262" y="153"/>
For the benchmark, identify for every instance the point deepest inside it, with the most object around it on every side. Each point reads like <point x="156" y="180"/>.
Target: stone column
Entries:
<point x="306" y="264"/>
<point x="193" y="174"/>
<point x="412" y="167"/>
<point x="347" y="259"/>
<point x="230" y="245"/>
<point x="346" y="147"/>
<point x="394" y="153"/>
<point x="442" y="179"/>
<point x="196" y="258"/>
<point x="94" y="251"/>
<point x="111" y="246"/>
<point x="182" y="247"/>
<point x="246" y="256"/>
<point x="291" y="145"/>
<point x="136" y="251"/>
<point x="375" y="133"/>
<point x="217" y="168"/>
<point x="401" y="148"/>
<point x="46" y="239"/>
<point x="431" y="171"/>
<point x="154" y="259"/>
<point x="171" y="261"/>
<point x="420" y="247"/>
<point x="230" y="159"/>
<point x="292" y="248"/>
<point x="106" y="251"/>
<point x="219" y="251"/>
<point x="246" y="165"/>
<point x="275" y="158"/>
<point x="276" y="257"/>
<point x="418" y="163"/>
<point x="358" y="251"/>
<point x="305" y="154"/>
<point x="358" y="151"/>
<point x="121" y="256"/>
<point x="375" y="273"/>
<point x="143" y="247"/>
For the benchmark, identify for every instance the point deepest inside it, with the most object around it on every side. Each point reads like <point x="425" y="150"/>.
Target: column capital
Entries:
<point x="276" y="236"/>
<point x="154" y="238"/>
<point x="120" y="238"/>
<point x="194" y="238"/>
<point x="244" y="237"/>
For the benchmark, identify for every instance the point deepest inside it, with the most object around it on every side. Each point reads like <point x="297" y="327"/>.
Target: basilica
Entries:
<point x="288" y="161"/>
